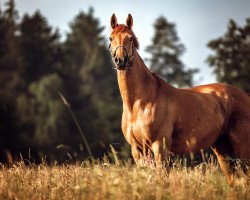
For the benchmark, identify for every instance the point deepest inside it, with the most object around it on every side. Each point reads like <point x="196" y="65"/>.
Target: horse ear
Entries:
<point x="113" y="21"/>
<point x="129" y="21"/>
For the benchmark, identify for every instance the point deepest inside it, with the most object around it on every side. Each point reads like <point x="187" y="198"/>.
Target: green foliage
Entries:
<point x="231" y="60"/>
<point x="43" y="110"/>
<point x="35" y="66"/>
<point x="166" y="51"/>
<point x="8" y="42"/>
<point x="39" y="47"/>
<point x="9" y="79"/>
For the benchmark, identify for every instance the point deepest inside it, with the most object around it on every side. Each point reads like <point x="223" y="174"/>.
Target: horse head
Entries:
<point x="123" y="43"/>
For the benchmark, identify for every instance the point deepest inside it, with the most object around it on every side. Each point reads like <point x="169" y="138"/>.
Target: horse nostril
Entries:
<point x="126" y="59"/>
<point x="116" y="60"/>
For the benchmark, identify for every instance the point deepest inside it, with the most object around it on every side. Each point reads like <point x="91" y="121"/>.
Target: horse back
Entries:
<point x="232" y="98"/>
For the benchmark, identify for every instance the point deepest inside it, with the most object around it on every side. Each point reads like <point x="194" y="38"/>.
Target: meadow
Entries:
<point x="120" y="180"/>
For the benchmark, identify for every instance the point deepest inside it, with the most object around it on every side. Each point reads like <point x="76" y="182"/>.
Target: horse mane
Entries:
<point x="121" y="28"/>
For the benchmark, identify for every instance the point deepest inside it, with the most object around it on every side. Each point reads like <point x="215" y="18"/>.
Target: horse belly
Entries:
<point x="194" y="141"/>
<point x="190" y="145"/>
<point x="200" y="128"/>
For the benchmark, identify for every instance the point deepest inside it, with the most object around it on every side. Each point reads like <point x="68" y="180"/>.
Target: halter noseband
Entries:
<point x="129" y="58"/>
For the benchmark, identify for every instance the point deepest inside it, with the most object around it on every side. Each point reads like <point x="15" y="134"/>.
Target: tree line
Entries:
<point x="36" y="65"/>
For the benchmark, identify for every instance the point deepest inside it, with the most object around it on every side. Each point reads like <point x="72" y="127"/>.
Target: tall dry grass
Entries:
<point x="123" y="180"/>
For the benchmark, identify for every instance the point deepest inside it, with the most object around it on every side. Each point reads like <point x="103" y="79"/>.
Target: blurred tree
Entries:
<point x="90" y="82"/>
<point x="231" y="60"/>
<point x="40" y="110"/>
<point x="8" y="29"/>
<point x="9" y="79"/>
<point x="9" y="54"/>
<point x="165" y="51"/>
<point x="39" y="47"/>
<point x="44" y="115"/>
<point x="35" y="66"/>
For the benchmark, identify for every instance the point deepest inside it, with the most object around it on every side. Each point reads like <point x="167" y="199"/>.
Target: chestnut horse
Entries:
<point x="164" y="119"/>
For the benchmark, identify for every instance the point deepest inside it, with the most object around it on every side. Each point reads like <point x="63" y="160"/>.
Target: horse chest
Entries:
<point x="138" y="127"/>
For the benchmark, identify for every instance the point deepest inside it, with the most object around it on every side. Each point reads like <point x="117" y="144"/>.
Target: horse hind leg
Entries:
<point x="239" y="134"/>
<point x="240" y="143"/>
<point x="223" y="151"/>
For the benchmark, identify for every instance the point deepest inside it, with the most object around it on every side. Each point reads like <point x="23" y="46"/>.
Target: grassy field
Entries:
<point x="103" y="180"/>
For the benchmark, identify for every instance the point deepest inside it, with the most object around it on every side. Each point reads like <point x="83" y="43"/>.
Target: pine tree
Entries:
<point x="9" y="54"/>
<point x="39" y="47"/>
<point x="166" y="51"/>
<point x="9" y="79"/>
<point x="39" y="107"/>
<point x="231" y="60"/>
<point x="35" y="66"/>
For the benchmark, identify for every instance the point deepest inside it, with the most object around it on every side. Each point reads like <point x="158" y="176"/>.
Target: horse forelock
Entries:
<point x="121" y="28"/>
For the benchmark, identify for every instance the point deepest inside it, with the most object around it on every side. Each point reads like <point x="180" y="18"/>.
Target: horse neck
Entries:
<point x="136" y="83"/>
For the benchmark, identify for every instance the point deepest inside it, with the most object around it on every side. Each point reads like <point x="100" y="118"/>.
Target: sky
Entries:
<point x="197" y="21"/>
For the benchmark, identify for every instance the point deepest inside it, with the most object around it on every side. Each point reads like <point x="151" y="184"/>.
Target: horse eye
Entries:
<point x="110" y="38"/>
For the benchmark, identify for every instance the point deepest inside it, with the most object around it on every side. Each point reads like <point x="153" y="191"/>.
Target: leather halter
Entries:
<point x="130" y="58"/>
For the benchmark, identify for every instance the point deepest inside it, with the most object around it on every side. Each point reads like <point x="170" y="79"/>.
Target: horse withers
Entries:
<point x="163" y="119"/>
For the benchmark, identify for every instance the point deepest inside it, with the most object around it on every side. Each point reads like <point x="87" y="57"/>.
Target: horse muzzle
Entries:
<point x="121" y="63"/>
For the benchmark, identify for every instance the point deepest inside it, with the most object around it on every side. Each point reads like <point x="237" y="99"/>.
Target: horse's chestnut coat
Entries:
<point x="161" y="119"/>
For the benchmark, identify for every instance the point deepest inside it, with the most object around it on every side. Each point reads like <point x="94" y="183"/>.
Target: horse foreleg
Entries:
<point x="161" y="153"/>
<point x="137" y="155"/>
